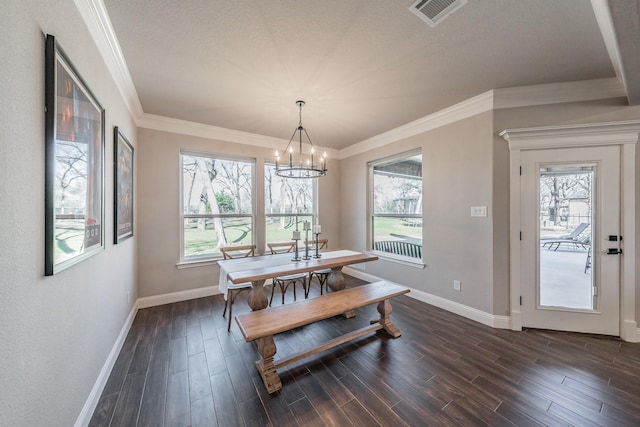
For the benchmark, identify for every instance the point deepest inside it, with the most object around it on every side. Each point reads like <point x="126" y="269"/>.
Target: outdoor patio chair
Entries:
<point x="584" y="242"/>
<point x="571" y="236"/>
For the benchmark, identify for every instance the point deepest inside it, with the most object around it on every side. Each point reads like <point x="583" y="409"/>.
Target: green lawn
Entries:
<point x="397" y="227"/>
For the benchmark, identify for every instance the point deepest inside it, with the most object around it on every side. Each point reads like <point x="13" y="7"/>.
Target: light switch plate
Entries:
<point x="478" y="211"/>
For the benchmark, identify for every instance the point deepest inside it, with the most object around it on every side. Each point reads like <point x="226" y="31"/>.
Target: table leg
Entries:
<point x="257" y="298"/>
<point x="336" y="282"/>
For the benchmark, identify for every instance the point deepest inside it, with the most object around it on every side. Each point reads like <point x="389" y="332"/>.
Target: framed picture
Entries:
<point x="74" y="165"/>
<point x="122" y="187"/>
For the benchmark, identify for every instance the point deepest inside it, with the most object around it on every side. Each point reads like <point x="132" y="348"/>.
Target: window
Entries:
<point x="217" y="204"/>
<point x="396" y="205"/>
<point x="286" y="199"/>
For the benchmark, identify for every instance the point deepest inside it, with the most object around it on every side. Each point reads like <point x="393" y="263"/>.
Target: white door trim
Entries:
<point x="626" y="135"/>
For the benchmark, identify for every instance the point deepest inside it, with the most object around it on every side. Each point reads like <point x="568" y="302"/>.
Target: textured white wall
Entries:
<point x="159" y="208"/>
<point x="55" y="332"/>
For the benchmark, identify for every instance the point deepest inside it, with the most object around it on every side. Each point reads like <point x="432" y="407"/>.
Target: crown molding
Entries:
<point x="523" y="96"/>
<point x="184" y="127"/>
<point x="558" y="93"/>
<point x="470" y="107"/>
<point x="96" y="17"/>
<point x="605" y="23"/>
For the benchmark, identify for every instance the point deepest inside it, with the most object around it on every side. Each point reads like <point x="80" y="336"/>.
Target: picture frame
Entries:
<point x="74" y="165"/>
<point x="122" y="186"/>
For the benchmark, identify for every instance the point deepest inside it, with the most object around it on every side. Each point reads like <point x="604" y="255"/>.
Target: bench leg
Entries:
<point x="385" y="309"/>
<point x="265" y="366"/>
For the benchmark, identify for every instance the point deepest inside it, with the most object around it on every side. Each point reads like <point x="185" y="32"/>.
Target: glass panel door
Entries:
<point x="566" y="194"/>
<point x="570" y="228"/>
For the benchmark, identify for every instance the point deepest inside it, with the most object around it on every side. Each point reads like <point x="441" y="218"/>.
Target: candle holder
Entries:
<point x="296" y="256"/>
<point x="306" y="245"/>
<point x="318" y="254"/>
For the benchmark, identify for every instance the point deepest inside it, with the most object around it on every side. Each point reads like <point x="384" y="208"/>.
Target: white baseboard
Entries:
<point x="500" y="322"/>
<point x="94" y="397"/>
<point x="630" y="331"/>
<point x="152" y="301"/>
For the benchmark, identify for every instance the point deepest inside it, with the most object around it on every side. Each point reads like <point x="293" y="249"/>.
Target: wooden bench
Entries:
<point x="262" y="325"/>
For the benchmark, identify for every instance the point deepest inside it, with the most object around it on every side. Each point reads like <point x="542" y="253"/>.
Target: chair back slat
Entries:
<point x="241" y="251"/>
<point x="322" y="244"/>
<point x="281" y="247"/>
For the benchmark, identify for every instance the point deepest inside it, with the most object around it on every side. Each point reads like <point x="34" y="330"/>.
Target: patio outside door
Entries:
<point x="570" y="219"/>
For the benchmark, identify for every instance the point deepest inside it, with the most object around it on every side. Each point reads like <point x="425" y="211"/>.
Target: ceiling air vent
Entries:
<point x="434" y="11"/>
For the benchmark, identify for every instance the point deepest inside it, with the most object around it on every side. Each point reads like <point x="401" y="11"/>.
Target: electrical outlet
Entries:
<point x="457" y="286"/>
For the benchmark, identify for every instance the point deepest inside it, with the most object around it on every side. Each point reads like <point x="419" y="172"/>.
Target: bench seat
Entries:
<point x="262" y="325"/>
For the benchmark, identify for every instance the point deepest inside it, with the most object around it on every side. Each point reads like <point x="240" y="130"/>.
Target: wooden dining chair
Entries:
<point x="323" y="274"/>
<point x="284" y="281"/>
<point x="233" y="289"/>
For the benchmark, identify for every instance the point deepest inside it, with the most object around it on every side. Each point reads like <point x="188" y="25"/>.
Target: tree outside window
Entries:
<point x="288" y="203"/>
<point x="217" y="204"/>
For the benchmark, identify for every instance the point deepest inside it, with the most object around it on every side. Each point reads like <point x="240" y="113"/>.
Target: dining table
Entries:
<point x="258" y="269"/>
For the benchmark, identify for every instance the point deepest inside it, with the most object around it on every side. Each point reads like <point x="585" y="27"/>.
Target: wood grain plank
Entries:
<point x="381" y="412"/>
<point x="226" y="406"/>
<point x="254" y="413"/>
<point x="199" y="384"/>
<point x="152" y="411"/>
<point x="203" y="413"/>
<point x="305" y="413"/>
<point x="104" y="410"/>
<point x="178" y="359"/>
<point x="178" y="407"/>
<point x="128" y="406"/>
<point x="358" y="415"/>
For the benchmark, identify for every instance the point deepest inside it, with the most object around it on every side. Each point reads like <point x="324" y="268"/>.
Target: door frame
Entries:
<point x="624" y="134"/>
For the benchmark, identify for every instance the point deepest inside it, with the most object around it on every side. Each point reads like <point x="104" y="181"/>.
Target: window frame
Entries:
<point x="314" y="205"/>
<point x="405" y="260"/>
<point x="205" y="260"/>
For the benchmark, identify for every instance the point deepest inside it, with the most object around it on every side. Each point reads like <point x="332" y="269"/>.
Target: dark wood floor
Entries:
<point x="180" y="367"/>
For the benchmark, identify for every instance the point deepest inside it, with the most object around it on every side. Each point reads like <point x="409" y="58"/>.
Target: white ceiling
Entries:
<point x="362" y="66"/>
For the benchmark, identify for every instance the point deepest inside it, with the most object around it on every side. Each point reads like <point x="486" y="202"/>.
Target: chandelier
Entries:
<point x="300" y="164"/>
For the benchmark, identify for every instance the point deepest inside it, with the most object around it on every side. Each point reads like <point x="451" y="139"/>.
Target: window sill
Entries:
<point x="399" y="259"/>
<point x="196" y="263"/>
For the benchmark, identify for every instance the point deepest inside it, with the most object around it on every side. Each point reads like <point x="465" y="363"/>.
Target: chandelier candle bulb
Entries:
<point x="307" y="226"/>
<point x="296" y="235"/>
<point x="317" y="229"/>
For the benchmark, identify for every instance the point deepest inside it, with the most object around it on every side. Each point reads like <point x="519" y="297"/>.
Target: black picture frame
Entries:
<point x="74" y="165"/>
<point x="123" y="164"/>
